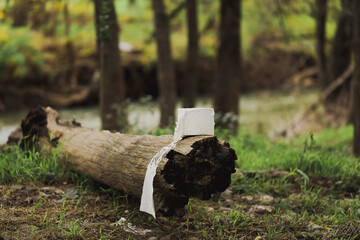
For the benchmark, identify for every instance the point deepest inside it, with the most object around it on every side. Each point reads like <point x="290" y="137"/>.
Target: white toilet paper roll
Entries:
<point x="191" y="122"/>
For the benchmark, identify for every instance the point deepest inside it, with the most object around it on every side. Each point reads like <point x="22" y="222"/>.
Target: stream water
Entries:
<point x="265" y="109"/>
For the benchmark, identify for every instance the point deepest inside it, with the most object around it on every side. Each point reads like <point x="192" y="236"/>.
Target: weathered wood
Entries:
<point x="197" y="167"/>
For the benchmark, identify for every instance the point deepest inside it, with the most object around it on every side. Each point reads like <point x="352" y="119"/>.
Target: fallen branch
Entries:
<point x="197" y="167"/>
<point x="51" y="98"/>
<point x="323" y="97"/>
<point x="306" y="73"/>
<point x="337" y="83"/>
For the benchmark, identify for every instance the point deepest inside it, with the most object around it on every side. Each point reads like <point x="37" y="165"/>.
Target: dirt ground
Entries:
<point x="67" y="211"/>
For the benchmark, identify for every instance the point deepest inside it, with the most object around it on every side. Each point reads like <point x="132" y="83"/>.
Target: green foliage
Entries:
<point x="163" y="131"/>
<point x="290" y="23"/>
<point x="19" y="166"/>
<point x="17" y="55"/>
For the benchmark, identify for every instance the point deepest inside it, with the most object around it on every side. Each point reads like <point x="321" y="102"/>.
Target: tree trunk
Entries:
<point x="190" y="82"/>
<point x="66" y="18"/>
<point x="132" y="2"/>
<point x="355" y="86"/>
<point x="112" y="87"/>
<point x="165" y="67"/>
<point x="174" y="13"/>
<point x="342" y="43"/>
<point x="227" y="84"/>
<point x="20" y="13"/>
<point x="38" y="15"/>
<point x="97" y="7"/>
<point x="197" y="167"/>
<point x="320" y="42"/>
<point x="71" y="73"/>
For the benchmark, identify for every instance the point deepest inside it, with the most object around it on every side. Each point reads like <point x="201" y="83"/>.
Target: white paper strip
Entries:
<point x="147" y="201"/>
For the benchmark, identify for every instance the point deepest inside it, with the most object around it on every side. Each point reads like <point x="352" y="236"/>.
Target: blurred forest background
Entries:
<point x="295" y="55"/>
<point x="282" y="75"/>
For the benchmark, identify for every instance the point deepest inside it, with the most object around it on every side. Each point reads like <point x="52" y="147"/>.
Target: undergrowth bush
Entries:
<point x="18" y="57"/>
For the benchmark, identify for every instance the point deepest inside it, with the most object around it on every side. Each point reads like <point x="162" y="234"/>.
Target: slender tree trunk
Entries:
<point x="20" y="13"/>
<point x="165" y="67"/>
<point x="71" y="73"/>
<point x="227" y="84"/>
<point x="341" y="49"/>
<point x="38" y="15"/>
<point x="190" y="85"/>
<point x="97" y="7"/>
<point x="112" y="87"/>
<point x="355" y="86"/>
<point x="66" y="18"/>
<point x="320" y="42"/>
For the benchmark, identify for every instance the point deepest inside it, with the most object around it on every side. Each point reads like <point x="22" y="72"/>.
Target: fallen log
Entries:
<point x="198" y="166"/>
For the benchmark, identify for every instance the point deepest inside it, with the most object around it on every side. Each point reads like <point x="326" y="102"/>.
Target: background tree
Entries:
<point x="165" y="67"/>
<point x="355" y="86"/>
<point x="190" y="83"/>
<point x="66" y="18"/>
<point x="341" y="47"/>
<point x="20" y="12"/>
<point x="112" y="86"/>
<point x="227" y="82"/>
<point x="39" y="16"/>
<point x="320" y="41"/>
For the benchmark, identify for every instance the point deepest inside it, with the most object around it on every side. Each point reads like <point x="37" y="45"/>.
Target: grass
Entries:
<point x="323" y="154"/>
<point x="19" y="166"/>
<point x="316" y="198"/>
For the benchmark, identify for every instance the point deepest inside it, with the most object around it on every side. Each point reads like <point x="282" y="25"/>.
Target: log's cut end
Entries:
<point x="201" y="170"/>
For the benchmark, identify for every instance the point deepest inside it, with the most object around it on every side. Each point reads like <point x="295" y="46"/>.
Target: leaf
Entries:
<point x="303" y="174"/>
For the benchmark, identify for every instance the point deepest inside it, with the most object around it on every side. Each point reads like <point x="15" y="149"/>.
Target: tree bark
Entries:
<point x="165" y="67"/>
<point x="112" y="87"/>
<point x="39" y="16"/>
<point x="97" y="7"/>
<point x="20" y="13"/>
<point x="197" y="167"/>
<point x="190" y="85"/>
<point x="342" y="43"/>
<point x="66" y="18"/>
<point x="227" y="84"/>
<point x="320" y="42"/>
<point x="71" y="73"/>
<point x="173" y="14"/>
<point x="355" y="86"/>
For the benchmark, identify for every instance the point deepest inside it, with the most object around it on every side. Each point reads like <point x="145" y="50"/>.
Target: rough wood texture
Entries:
<point x="227" y="82"/>
<point x="321" y="12"/>
<point x="190" y="83"/>
<point x="112" y="84"/>
<point x="197" y="167"/>
<point x="355" y="84"/>
<point x="165" y="68"/>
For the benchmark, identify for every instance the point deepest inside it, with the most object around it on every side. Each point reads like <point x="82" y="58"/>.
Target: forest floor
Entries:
<point x="306" y="188"/>
<point x="65" y="212"/>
